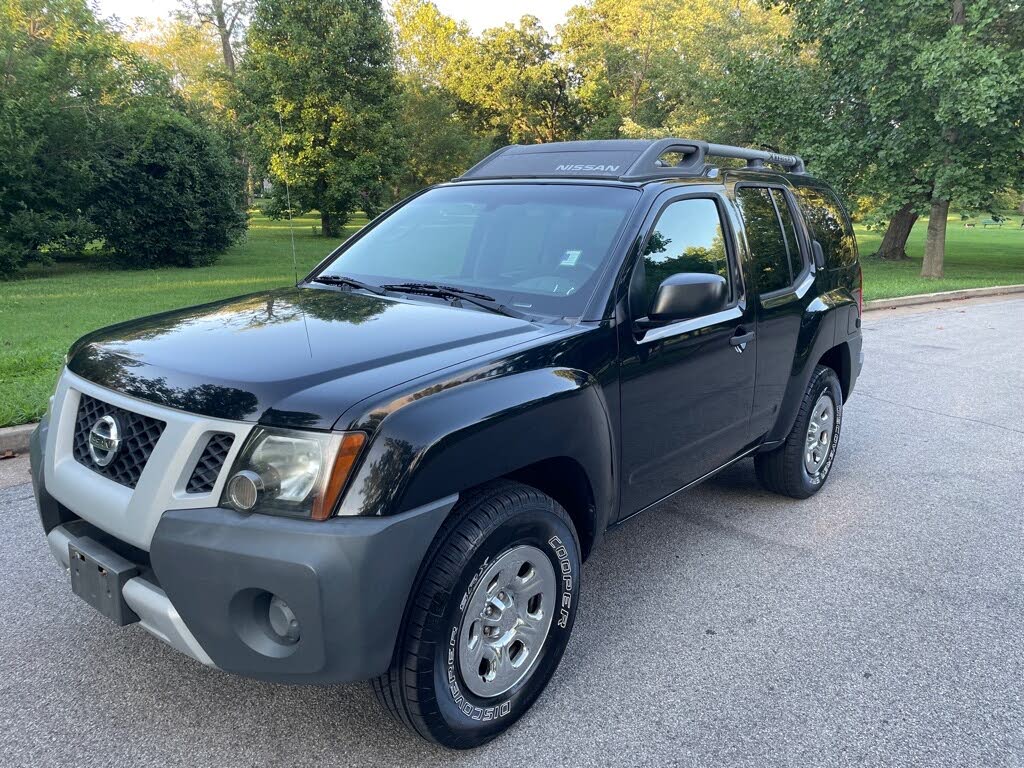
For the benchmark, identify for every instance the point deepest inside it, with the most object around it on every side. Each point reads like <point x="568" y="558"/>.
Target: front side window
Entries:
<point x="687" y="237"/>
<point x="765" y="238"/>
<point x="536" y="247"/>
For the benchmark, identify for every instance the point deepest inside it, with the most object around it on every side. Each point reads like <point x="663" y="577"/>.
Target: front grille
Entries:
<point x="139" y="435"/>
<point x="204" y="476"/>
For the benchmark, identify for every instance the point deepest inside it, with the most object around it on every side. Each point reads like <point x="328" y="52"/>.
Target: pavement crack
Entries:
<point x="941" y="413"/>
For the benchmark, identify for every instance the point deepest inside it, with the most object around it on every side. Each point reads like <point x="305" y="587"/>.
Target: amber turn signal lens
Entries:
<point x="344" y="460"/>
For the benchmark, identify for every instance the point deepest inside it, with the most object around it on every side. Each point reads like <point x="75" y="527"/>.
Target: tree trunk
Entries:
<point x="894" y="242"/>
<point x="327" y="225"/>
<point x="935" y="244"/>
<point x="224" y="31"/>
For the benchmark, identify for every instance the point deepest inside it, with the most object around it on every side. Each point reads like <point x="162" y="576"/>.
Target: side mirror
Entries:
<point x="685" y="295"/>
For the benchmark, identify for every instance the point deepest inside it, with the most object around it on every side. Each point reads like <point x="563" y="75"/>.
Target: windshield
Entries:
<point x="535" y="247"/>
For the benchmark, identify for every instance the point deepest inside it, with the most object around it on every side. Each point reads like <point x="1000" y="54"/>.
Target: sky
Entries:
<point x="480" y="14"/>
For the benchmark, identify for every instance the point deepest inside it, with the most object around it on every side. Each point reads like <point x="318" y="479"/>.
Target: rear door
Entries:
<point x="686" y="388"/>
<point x="782" y="275"/>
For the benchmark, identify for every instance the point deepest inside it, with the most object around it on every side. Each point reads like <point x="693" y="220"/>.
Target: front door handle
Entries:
<point x="740" y="339"/>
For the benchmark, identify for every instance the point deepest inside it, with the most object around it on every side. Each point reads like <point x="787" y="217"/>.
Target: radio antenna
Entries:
<point x="288" y="202"/>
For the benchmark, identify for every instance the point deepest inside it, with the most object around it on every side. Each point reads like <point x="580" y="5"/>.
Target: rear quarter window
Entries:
<point x="829" y="225"/>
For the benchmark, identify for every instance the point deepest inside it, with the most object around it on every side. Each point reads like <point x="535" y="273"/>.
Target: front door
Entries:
<point x="687" y="387"/>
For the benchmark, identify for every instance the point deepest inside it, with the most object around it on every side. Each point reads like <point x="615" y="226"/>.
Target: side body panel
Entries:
<point x="450" y="431"/>
<point x="686" y="390"/>
<point x="829" y="326"/>
<point x="788" y="321"/>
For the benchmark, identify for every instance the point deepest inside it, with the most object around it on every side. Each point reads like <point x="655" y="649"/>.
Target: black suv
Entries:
<point x="393" y="470"/>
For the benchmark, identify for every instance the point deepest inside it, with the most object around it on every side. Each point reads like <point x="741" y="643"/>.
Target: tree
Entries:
<point x="622" y="50"/>
<point x="64" y="77"/>
<point x="439" y="145"/>
<point x="428" y="44"/>
<point x="171" y="194"/>
<point x="226" y="18"/>
<point x="515" y="87"/>
<point x="192" y="56"/>
<point x="974" y="75"/>
<point x="98" y="149"/>
<point x="319" y="94"/>
<point x="509" y="84"/>
<point x="440" y="142"/>
<point x="928" y="112"/>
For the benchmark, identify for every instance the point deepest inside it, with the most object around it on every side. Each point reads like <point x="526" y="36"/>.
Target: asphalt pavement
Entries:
<point x="879" y="623"/>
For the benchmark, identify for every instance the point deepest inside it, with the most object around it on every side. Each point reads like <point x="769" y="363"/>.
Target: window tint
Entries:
<point x="686" y="238"/>
<point x="829" y="225"/>
<point x="796" y="262"/>
<point x="767" y="243"/>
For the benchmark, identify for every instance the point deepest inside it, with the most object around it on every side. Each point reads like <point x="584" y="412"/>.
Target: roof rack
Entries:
<point x="619" y="159"/>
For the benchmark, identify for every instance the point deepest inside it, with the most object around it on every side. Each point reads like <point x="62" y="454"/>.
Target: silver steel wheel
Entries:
<point x="820" y="433"/>
<point x="506" y="621"/>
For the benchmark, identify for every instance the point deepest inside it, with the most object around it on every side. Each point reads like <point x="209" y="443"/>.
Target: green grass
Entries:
<point x="48" y="308"/>
<point x="42" y="313"/>
<point x="975" y="258"/>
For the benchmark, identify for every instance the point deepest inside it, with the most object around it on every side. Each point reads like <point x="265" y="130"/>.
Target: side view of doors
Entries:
<point x="686" y="384"/>
<point x="778" y="247"/>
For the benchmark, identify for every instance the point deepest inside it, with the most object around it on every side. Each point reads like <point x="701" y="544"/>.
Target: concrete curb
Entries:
<point x="15" y="439"/>
<point x="935" y="298"/>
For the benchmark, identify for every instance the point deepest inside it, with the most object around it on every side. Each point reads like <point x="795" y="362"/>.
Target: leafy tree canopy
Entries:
<point x="321" y="98"/>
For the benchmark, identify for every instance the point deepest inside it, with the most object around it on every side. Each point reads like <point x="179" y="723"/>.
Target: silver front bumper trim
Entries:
<point x="157" y="615"/>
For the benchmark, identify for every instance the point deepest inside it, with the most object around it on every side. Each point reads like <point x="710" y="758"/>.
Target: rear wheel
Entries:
<point x="801" y="465"/>
<point x="489" y="618"/>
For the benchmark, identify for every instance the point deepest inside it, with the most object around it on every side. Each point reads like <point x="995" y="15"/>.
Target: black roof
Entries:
<point x="618" y="159"/>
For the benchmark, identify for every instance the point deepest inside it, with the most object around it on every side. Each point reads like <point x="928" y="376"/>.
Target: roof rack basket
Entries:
<point x="620" y="159"/>
<point x="694" y="156"/>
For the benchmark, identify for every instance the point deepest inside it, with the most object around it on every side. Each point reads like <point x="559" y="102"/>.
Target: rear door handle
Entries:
<point x="740" y="338"/>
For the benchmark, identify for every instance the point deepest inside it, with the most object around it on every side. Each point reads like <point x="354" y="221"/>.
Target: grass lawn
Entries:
<point x="975" y="258"/>
<point x="48" y="308"/>
<point x="44" y="312"/>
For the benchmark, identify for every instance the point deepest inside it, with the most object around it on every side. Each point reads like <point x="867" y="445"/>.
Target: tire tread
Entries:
<point x="780" y="470"/>
<point x="478" y="511"/>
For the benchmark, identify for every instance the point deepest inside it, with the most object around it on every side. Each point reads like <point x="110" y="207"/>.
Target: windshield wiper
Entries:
<point x="453" y="293"/>
<point x="351" y="282"/>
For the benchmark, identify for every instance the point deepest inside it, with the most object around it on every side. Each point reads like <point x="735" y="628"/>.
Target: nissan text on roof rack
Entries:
<point x="394" y="470"/>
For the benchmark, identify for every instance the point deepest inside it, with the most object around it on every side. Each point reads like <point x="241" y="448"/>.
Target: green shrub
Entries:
<point x="171" y="194"/>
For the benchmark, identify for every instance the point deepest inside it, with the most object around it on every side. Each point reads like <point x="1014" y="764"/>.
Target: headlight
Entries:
<point x="298" y="474"/>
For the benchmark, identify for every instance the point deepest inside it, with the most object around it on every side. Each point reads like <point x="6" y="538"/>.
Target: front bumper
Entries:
<point x="206" y="582"/>
<point x="156" y="613"/>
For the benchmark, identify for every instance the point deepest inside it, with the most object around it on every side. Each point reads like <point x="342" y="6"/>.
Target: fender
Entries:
<point x="451" y="436"/>
<point x="816" y="337"/>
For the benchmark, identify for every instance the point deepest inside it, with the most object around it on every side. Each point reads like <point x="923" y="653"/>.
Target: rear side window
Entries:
<point x="829" y="225"/>
<point x="686" y="238"/>
<point x="796" y="261"/>
<point x="765" y="238"/>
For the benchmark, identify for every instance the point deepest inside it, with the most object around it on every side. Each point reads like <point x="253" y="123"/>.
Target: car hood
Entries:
<point x="296" y="357"/>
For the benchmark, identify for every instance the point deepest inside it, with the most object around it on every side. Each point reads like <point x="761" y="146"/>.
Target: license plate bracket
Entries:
<point x="98" y="575"/>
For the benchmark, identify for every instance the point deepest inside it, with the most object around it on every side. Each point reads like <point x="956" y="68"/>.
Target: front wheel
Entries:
<point x="800" y="466"/>
<point x="489" y="618"/>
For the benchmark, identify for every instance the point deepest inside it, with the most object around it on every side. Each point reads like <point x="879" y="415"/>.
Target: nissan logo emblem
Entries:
<point x="104" y="440"/>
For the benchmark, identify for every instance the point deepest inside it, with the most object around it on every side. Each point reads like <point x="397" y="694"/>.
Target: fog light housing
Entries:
<point x="282" y="621"/>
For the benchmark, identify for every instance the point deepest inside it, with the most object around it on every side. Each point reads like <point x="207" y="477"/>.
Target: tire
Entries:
<point x="786" y="469"/>
<point x="505" y="540"/>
